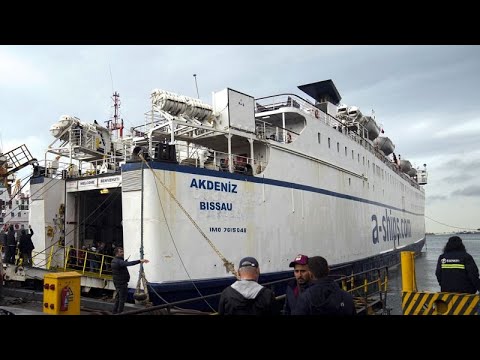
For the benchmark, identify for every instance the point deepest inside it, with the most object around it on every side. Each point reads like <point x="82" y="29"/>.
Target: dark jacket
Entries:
<point x="119" y="270"/>
<point x="324" y="297"/>
<point x="457" y="272"/>
<point x="246" y="297"/>
<point x="25" y="244"/>
<point x="292" y="292"/>
<point x="11" y="238"/>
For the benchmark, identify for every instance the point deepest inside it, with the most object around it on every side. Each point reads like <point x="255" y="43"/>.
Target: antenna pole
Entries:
<point x="195" y="76"/>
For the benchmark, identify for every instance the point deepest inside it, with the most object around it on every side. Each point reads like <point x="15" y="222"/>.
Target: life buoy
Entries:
<point x="317" y="114"/>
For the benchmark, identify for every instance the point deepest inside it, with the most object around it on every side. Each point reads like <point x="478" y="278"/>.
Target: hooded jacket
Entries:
<point x="324" y="297"/>
<point x="457" y="272"/>
<point x="247" y="297"/>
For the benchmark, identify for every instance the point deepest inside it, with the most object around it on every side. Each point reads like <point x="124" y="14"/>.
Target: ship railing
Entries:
<point x="218" y="160"/>
<point x="67" y="258"/>
<point x="66" y="170"/>
<point x="265" y="130"/>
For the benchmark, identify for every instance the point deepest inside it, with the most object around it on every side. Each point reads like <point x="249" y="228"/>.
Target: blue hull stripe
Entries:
<point x="258" y="180"/>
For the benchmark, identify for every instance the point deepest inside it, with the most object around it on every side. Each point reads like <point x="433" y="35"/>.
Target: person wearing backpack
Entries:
<point x="246" y="296"/>
<point x="324" y="296"/>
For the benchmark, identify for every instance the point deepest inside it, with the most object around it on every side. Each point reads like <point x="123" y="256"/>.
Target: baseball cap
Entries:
<point x="299" y="260"/>
<point x="248" y="261"/>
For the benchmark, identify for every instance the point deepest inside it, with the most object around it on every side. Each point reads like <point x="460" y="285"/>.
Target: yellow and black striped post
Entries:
<point x="427" y="303"/>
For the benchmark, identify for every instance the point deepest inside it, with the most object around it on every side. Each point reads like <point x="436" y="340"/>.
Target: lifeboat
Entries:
<point x="370" y="124"/>
<point x="412" y="172"/>
<point x="384" y="144"/>
<point x="405" y="166"/>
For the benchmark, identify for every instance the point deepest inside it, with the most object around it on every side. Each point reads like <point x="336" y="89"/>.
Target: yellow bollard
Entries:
<point x="409" y="282"/>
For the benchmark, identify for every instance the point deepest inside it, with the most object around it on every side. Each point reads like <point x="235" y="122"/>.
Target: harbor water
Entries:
<point x="425" y="265"/>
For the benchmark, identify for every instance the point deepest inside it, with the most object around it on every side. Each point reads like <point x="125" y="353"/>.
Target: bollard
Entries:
<point x="409" y="282"/>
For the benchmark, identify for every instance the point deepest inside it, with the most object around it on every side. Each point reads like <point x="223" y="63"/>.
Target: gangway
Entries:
<point x="14" y="160"/>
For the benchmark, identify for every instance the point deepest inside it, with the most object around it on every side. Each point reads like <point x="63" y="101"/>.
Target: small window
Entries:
<point x="358" y="155"/>
<point x="349" y="181"/>
<point x="329" y="143"/>
<point x="353" y="156"/>
<point x="338" y="147"/>
<point x="346" y="151"/>
<point x="319" y="138"/>
<point x="12" y="214"/>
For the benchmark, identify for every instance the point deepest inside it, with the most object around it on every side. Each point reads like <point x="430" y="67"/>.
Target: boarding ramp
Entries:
<point x="93" y="267"/>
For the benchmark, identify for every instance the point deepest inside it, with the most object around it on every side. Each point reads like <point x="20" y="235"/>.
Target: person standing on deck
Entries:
<point x="246" y="296"/>
<point x="324" y="296"/>
<point x="298" y="285"/>
<point x="25" y="246"/>
<point x="121" y="277"/>
<point x="11" y="246"/>
<point x="456" y="270"/>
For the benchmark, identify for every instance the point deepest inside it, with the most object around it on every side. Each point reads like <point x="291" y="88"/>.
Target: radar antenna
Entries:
<point x="195" y="76"/>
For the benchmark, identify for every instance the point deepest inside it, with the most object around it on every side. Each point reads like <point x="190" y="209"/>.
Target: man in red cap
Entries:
<point x="297" y="285"/>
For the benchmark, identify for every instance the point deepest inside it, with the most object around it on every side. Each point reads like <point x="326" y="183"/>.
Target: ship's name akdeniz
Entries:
<point x="214" y="185"/>
<point x="393" y="228"/>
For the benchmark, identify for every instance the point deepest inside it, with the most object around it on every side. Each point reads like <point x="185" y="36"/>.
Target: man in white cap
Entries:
<point x="246" y="296"/>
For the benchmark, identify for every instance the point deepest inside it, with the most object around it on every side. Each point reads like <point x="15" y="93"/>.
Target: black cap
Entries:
<point x="248" y="261"/>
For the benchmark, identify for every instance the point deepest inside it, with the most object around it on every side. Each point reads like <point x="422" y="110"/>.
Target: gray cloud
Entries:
<point x="456" y="179"/>
<point x="473" y="190"/>
<point x="433" y="198"/>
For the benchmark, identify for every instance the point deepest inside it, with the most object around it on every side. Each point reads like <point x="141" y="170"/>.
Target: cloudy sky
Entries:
<point x="426" y="97"/>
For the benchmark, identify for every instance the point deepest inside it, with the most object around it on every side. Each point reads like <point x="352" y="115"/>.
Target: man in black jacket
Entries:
<point x="246" y="296"/>
<point x="121" y="277"/>
<point x="456" y="269"/>
<point x="298" y="285"/>
<point x="324" y="296"/>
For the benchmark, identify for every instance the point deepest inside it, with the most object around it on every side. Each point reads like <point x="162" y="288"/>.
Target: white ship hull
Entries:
<point x="261" y="216"/>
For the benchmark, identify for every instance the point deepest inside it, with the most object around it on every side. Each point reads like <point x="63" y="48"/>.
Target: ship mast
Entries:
<point x="116" y="123"/>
